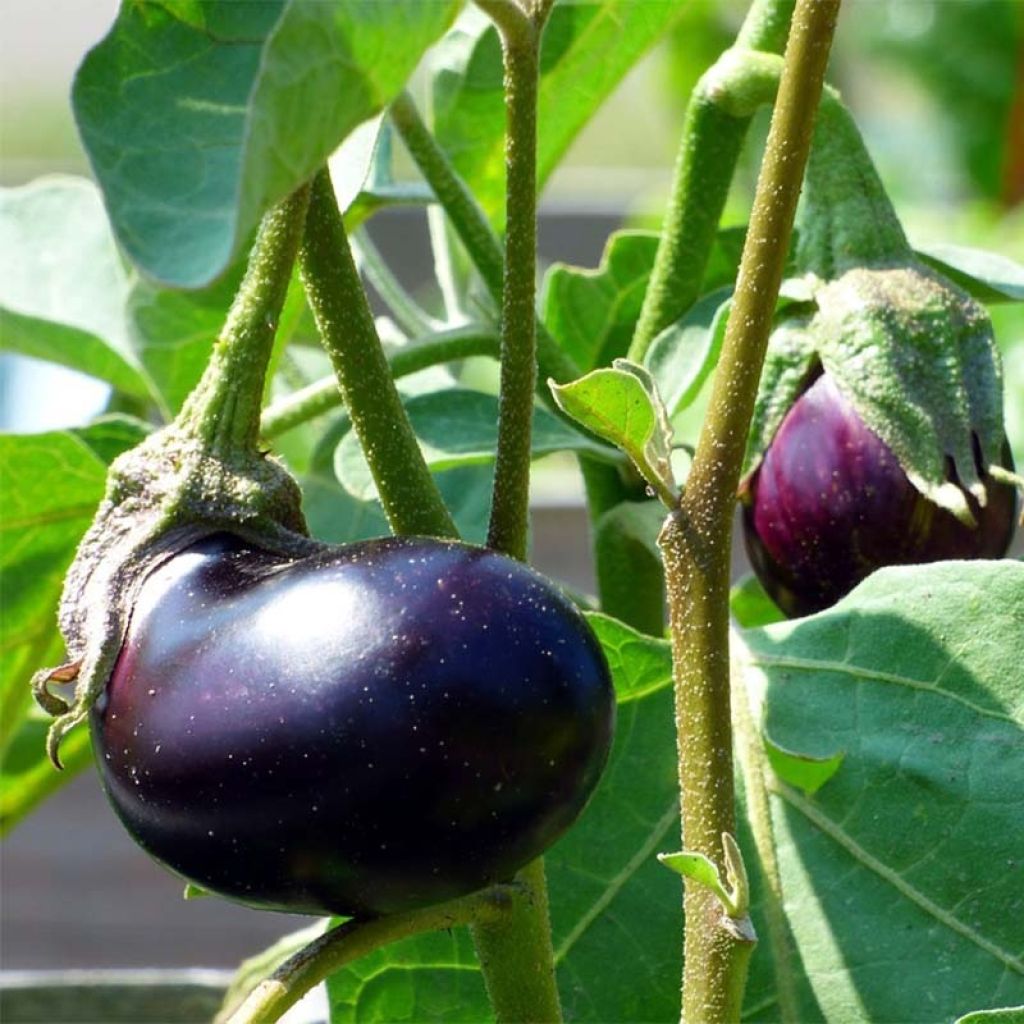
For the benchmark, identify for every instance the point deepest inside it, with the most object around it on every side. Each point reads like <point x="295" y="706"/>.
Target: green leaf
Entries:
<point x="173" y="332"/>
<point x="197" y="119"/>
<point x="640" y="664"/>
<point x="750" y="604"/>
<point x="988" y="276"/>
<point x="916" y="676"/>
<point x="457" y="427"/>
<point x="62" y="282"/>
<point x="1004" y="1015"/>
<point x="630" y="577"/>
<point x="683" y="355"/>
<point x="592" y="313"/>
<point x="621" y="405"/>
<point x="586" y="50"/>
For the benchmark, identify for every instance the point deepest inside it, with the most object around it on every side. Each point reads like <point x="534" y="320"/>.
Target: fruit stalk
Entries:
<point x="224" y="408"/>
<point x="697" y="536"/>
<point x="408" y="493"/>
<point x="603" y="483"/>
<point x="709" y="148"/>
<point x="340" y="946"/>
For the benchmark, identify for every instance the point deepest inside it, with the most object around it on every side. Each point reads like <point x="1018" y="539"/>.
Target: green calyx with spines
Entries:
<point x="912" y="352"/>
<point x="202" y="473"/>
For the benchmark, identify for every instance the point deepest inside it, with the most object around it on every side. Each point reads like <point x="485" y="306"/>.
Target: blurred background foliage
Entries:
<point x="937" y="87"/>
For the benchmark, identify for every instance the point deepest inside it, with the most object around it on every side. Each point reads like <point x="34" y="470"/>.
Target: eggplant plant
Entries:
<point x="280" y="598"/>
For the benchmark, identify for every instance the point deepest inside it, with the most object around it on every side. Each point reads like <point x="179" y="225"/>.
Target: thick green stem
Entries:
<point x="224" y="408"/>
<point x="324" y="395"/>
<point x="508" y="530"/>
<point x="349" y="941"/>
<point x="408" y="493"/>
<point x="696" y="539"/>
<point x="847" y="218"/>
<point x="712" y="139"/>
<point x="516" y="955"/>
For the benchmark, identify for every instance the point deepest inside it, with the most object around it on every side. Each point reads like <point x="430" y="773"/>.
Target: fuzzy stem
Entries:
<point x="408" y="493"/>
<point x="708" y="151"/>
<point x="754" y="766"/>
<point x="224" y="409"/>
<point x="515" y="953"/>
<point x="349" y="941"/>
<point x="697" y="536"/>
<point x="508" y="530"/>
<point x="323" y="395"/>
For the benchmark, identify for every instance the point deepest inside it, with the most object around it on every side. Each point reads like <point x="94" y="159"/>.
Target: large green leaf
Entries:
<point x="902" y="876"/>
<point x="63" y="284"/>
<point x="198" y="117"/>
<point x="458" y="427"/>
<point x="586" y="50"/>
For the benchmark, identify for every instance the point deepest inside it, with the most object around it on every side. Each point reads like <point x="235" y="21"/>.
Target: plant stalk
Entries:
<point x="696" y="539"/>
<point x="354" y="939"/>
<point x="708" y="151"/>
<point x="224" y="408"/>
<point x="508" y="530"/>
<point x="515" y="952"/>
<point x="410" y="497"/>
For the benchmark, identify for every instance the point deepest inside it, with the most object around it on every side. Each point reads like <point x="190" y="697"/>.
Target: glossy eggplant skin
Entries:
<point x="373" y="729"/>
<point x="829" y="504"/>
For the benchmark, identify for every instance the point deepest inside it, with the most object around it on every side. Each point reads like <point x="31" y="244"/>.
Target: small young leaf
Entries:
<point x="682" y="357"/>
<point x="989" y="277"/>
<point x="622" y="406"/>
<point x="697" y="867"/>
<point x="801" y="770"/>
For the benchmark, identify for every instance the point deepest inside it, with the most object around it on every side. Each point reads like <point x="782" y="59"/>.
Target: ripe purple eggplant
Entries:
<point x="829" y="504"/>
<point x="367" y="730"/>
